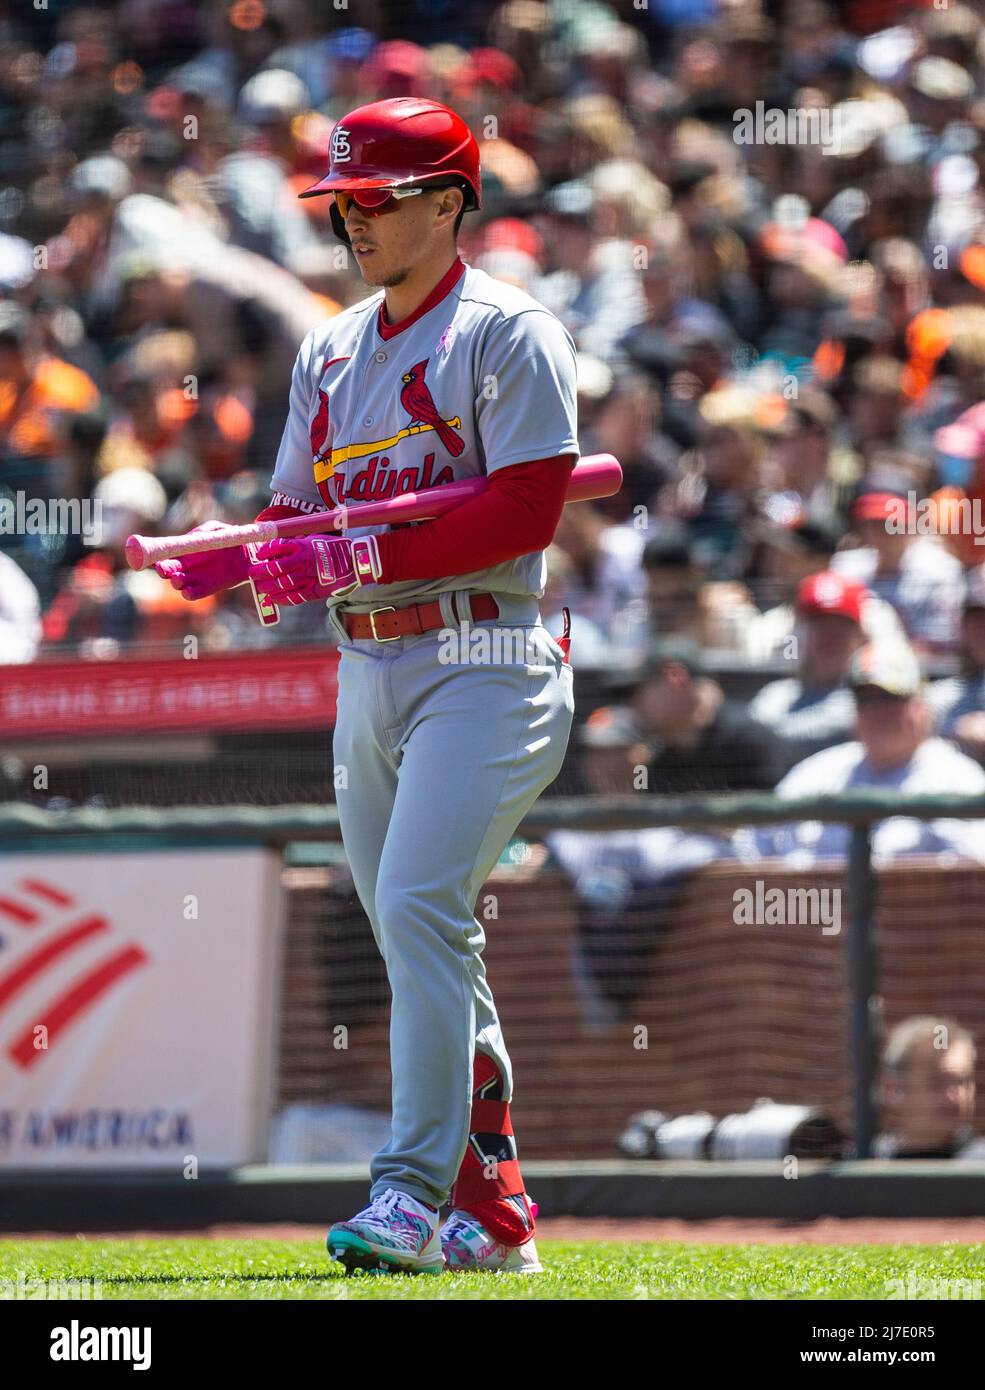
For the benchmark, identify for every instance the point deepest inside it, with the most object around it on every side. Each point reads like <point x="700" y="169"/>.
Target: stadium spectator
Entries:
<point x="804" y="256"/>
<point x="814" y="709"/>
<point x="679" y="602"/>
<point x="251" y="184"/>
<point x="685" y="344"/>
<point x="624" y="880"/>
<point x="927" y="1092"/>
<point x="606" y="561"/>
<point x="512" y="250"/>
<point x="614" y="751"/>
<point x="37" y="391"/>
<point x="959" y="701"/>
<point x="626" y="424"/>
<point x="92" y="613"/>
<point x="895" y="751"/>
<point x="876" y="407"/>
<point x="960" y="454"/>
<point x="591" y="284"/>
<point x="912" y="572"/>
<point x="702" y="741"/>
<point x="717" y="492"/>
<point x="786" y="556"/>
<point x="593" y="382"/>
<point x="98" y="608"/>
<point x="812" y="473"/>
<point x="20" y="614"/>
<point x="590" y="644"/>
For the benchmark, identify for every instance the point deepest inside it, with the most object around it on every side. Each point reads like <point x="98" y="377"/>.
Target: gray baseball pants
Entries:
<point x="436" y="763"/>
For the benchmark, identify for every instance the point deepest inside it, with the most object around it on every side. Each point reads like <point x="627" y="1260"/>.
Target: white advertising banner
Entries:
<point x="138" y="1004"/>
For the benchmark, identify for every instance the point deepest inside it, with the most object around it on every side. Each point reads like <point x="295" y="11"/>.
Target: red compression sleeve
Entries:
<point x="517" y="514"/>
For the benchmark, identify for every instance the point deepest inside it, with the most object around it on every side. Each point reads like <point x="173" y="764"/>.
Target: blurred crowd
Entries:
<point x="781" y="339"/>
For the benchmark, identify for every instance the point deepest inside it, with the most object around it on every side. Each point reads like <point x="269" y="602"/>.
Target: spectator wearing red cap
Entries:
<point x="396" y="68"/>
<point x="786" y="556"/>
<point x="814" y="709"/>
<point x="912" y="572"/>
<point x="511" y="250"/>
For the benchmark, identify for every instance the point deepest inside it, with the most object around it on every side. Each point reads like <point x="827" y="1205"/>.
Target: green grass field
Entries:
<point x="258" y="1269"/>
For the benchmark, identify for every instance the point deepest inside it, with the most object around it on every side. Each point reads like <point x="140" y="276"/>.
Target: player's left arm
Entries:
<point x="526" y="420"/>
<point x="516" y="515"/>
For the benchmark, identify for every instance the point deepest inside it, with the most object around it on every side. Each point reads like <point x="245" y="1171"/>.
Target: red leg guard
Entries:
<point x="489" y="1185"/>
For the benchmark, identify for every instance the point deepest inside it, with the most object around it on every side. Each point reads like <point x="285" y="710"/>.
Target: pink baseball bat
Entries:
<point x="599" y="475"/>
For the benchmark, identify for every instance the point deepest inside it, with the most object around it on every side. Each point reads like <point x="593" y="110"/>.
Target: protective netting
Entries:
<point x="661" y="1002"/>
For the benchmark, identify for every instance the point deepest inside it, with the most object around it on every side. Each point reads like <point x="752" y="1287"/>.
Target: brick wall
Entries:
<point x="711" y="1016"/>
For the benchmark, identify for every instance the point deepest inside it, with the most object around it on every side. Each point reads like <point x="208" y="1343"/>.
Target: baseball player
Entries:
<point x="445" y="374"/>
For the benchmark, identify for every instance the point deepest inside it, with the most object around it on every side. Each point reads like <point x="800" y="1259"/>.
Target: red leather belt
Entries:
<point x="387" y="624"/>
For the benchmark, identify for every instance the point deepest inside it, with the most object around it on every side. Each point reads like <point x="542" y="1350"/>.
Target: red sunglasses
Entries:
<point x="373" y="201"/>
<point x="377" y="201"/>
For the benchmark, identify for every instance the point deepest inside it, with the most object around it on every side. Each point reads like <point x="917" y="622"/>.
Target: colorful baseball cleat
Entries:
<point x="393" y="1235"/>
<point x="467" y="1245"/>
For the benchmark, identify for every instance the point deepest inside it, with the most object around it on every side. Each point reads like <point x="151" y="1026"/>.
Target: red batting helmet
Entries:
<point x="405" y="140"/>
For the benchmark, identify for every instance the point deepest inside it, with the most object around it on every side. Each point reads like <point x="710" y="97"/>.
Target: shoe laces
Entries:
<point x="461" y="1223"/>
<point x="380" y="1210"/>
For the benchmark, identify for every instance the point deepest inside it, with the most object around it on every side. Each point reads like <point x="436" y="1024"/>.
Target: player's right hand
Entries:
<point x="298" y="569"/>
<point x="206" y="572"/>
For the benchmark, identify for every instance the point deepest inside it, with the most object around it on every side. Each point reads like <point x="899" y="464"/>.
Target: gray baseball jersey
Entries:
<point x="436" y="763"/>
<point x="481" y="376"/>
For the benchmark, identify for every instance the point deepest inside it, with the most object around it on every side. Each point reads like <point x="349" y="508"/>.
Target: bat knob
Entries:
<point x="135" y="553"/>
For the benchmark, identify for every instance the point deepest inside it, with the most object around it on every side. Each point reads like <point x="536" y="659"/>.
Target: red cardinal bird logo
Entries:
<point x="417" y="401"/>
<point x="319" y="427"/>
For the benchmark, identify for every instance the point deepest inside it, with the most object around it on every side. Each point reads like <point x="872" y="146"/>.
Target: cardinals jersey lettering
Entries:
<point x="482" y="379"/>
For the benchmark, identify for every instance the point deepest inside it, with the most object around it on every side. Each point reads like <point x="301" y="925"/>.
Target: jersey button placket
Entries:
<point x="373" y="383"/>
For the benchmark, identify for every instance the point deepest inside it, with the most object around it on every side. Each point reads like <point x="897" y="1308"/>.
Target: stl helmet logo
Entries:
<point x="341" y="149"/>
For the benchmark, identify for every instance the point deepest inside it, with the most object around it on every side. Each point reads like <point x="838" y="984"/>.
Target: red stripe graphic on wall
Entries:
<point x="33" y="965"/>
<point x="17" y="912"/>
<point x="46" y="891"/>
<point x="77" y="1000"/>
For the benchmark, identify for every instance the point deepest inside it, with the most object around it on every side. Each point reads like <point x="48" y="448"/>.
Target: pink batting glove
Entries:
<point x="208" y="571"/>
<point x="304" y="568"/>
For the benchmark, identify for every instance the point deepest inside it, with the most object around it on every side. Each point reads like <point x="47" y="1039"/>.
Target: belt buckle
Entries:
<point x="372" y="624"/>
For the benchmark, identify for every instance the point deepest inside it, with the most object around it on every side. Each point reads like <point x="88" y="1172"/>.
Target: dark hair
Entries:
<point x="681" y="651"/>
<point x="468" y="198"/>
<point x="667" y="550"/>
